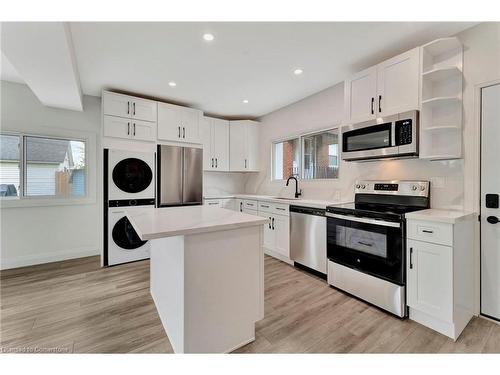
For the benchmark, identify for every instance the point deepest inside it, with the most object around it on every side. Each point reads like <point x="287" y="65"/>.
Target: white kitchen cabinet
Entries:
<point x="143" y="130"/>
<point x="178" y="124"/>
<point x="119" y="127"/>
<point x="398" y="83"/>
<point x="281" y="226"/>
<point x="244" y="146"/>
<point x="213" y="202"/>
<point x="430" y="279"/>
<point x="214" y="135"/>
<point x="440" y="277"/>
<point x="360" y="91"/>
<point x="129" y="107"/>
<point x="385" y="89"/>
<point x="276" y="240"/>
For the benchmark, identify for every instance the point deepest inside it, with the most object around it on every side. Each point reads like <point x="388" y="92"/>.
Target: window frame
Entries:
<point x="273" y="156"/>
<point x="24" y="200"/>
<point x="301" y="137"/>
<point x="303" y="154"/>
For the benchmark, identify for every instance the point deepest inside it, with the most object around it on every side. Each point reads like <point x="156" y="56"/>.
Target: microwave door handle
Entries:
<point x="393" y="134"/>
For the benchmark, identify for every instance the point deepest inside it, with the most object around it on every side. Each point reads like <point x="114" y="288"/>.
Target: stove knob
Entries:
<point x="363" y="186"/>
<point x="358" y="186"/>
<point x="414" y="187"/>
<point x="422" y="187"/>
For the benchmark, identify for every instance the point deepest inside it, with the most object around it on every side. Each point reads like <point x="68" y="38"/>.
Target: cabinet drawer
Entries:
<point x="250" y="205"/>
<point x="266" y="207"/>
<point x="433" y="232"/>
<point x="281" y="209"/>
<point x="213" y="202"/>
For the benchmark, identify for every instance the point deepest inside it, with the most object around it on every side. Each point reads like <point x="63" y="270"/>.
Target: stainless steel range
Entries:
<point x="366" y="241"/>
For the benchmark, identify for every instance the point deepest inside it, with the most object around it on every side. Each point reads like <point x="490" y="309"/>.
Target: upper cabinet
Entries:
<point x="129" y="107"/>
<point x="244" y="146"/>
<point x="385" y="89"/>
<point x="178" y="124"/>
<point x="128" y="117"/>
<point x="214" y="135"/>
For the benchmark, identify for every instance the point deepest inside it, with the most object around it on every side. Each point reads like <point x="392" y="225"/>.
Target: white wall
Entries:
<point x="43" y="233"/>
<point x="324" y="110"/>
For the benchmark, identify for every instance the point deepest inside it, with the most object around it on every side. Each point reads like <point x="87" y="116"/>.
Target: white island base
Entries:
<point x="206" y="288"/>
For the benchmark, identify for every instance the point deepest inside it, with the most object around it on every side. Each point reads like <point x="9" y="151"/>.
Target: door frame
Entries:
<point x="477" y="173"/>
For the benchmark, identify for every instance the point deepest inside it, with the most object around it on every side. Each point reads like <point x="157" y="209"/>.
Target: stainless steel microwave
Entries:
<point x="386" y="137"/>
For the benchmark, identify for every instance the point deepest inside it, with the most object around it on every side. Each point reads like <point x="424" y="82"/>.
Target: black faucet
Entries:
<point x="298" y="192"/>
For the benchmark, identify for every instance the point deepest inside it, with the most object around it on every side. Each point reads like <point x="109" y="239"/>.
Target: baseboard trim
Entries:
<point x="56" y="256"/>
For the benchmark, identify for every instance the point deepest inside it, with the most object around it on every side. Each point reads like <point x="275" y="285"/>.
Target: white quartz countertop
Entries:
<point x="440" y="215"/>
<point x="176" y="221"/>
<point x="267" y="198"/>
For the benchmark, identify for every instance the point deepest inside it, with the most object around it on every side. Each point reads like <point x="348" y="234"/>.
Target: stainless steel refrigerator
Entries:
<point x="179" y="176"/>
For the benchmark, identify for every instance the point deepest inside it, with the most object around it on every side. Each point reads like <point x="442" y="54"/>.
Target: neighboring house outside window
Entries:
<point x="51" y="166"/>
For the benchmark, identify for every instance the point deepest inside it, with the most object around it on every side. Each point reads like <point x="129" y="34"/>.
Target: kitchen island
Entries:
<point x="207" y="275"/>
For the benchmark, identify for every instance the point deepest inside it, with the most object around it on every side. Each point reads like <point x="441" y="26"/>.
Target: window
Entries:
<point x="10" y="165"/>
<point x="286" y="157"/>
<point x="47" y="167"/>
<point x="321" y="154"/>
<point x="311" y="156"/>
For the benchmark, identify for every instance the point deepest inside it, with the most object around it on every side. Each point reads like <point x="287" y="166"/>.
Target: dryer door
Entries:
<point x="132" y="175"/>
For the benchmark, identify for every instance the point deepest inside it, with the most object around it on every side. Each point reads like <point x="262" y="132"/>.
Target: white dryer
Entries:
<point x="124" y="244"/>
<point x="130" y="175"/>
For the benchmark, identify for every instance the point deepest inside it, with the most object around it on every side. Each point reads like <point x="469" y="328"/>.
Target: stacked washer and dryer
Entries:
<point x="129" y="185"/>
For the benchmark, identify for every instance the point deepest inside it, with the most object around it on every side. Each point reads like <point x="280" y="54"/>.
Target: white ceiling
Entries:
<point x="253" y="61"/>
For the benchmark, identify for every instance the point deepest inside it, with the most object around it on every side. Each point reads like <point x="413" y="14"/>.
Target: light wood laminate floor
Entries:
<point x="76" y="306"/>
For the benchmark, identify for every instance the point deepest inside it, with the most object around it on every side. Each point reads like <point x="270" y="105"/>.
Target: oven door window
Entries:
<point x="374" y="249"/>
<point x="369" y="138"/>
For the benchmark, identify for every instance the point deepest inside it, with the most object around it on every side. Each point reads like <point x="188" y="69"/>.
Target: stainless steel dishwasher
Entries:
<point x="308" y="237"/>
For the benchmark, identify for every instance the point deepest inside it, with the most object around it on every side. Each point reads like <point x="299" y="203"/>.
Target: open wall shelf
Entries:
<point x="441" y="100"/>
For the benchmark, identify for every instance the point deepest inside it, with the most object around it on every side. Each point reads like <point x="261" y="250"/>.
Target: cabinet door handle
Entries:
<point x="269" y="223"/>
<point x="241" y="206"/>
<point x="179" y="133"/>
<point x="134" y="129"/>
<point x="216" y="163"/>
<point x="183" y="132"/>
<point x="128" y="108"/>
<point x="212" y="162"/>
<point x="245" y="163"/>
<point x="272" y="223"/>
<point x="134" y="108"/>
<point x="128" y="128"/>
<point x="379" y="100"/>
<point x="373" y="101"/>
<point x="427" y="231"/>
<point x="411" y="257"/>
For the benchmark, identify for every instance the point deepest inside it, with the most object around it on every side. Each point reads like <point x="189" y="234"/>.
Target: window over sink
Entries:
<point x="308" y="156"/>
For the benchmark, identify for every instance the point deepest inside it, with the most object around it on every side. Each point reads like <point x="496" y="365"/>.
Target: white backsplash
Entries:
<point x="223" y="183"/>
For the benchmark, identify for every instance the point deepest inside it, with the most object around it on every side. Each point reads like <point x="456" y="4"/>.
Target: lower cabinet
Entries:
<point x="276" y="234"/>
<point x="439" y="269"/>
<point x="430" y="279"/>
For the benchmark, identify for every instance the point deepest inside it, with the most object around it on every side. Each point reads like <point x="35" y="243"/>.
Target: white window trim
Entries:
<point x="50" y="200"/>
<point x="301" y="136"/>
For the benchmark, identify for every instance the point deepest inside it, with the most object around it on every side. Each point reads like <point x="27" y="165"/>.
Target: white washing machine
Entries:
<point x="124" y="244"/>
<point x="130" y="175"/>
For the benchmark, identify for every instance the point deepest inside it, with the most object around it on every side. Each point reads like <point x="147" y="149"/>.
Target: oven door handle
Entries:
<point x="364" y="220"/>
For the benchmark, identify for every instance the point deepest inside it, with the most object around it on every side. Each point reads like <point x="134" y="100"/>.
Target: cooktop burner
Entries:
<point x="389" y="200"/>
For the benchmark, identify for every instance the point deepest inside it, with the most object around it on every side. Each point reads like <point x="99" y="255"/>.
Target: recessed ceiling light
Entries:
<point x="245" y="101"/>
<point x="208" y="37"/>
<point x="298" y="71"/>
<point x="172" y="84"/>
